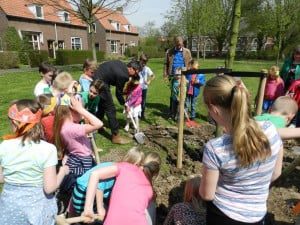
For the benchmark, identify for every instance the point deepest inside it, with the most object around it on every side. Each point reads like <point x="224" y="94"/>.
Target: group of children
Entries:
<point x="58" y="123"/>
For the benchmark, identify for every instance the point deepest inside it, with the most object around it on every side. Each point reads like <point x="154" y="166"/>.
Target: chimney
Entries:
<point x="119" y="10"/>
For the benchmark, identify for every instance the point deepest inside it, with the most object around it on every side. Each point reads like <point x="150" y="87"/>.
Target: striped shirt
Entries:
<point x="242" y="193"/>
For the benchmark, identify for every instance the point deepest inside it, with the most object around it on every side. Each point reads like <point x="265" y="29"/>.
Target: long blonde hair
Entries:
<point x="62" y="112"/>
<point x="151" y="165"/>
<point x="249" y="142"/>
<point x="134" y="156"/>
<point x="191" y="193"/>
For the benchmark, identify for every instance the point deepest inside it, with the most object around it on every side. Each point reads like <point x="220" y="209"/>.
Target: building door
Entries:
<point x="50" y="48"/>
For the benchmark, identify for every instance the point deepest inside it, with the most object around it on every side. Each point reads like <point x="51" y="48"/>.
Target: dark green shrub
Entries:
<point x="37" y="57"/>
<point x="132" y="51"/>
<point x="153" y="51"/>
<point x="9" y="60"/>
<point x="68" y="57"/>
<point x="11" y="39"/>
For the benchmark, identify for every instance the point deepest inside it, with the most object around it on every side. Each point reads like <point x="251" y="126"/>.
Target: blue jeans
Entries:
<point x="266" y="105"/>
<point x="190" y="105"/>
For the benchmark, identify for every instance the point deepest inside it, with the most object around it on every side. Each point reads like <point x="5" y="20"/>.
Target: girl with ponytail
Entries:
<point x="240" y="165"/>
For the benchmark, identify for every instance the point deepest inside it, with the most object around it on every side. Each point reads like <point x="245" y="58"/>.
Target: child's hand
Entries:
<point x="101" y="213"/>
<point x="76" y="104"/>
<point x="89" y="216"/>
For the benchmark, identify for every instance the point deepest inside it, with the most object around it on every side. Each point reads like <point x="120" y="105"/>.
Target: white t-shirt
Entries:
<point x="40" y="88"/>
<point x="26" y="164"/>
<point x="145" y="74"/>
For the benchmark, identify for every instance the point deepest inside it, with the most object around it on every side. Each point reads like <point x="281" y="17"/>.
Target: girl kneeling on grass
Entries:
<point x="131" y="193"/>
<point x="240" y="165"/>
<point x="28" y="168"/>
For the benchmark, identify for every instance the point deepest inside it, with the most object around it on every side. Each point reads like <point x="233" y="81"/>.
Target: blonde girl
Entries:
<point x="191" y="210"/>
<point x="131" y="194"/>
<point x="28" y="168"/>
<point x="240" y="165"/>
<point x="274" y="88"/>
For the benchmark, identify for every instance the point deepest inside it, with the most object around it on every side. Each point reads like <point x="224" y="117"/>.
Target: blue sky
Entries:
<point x="148" y="10"/>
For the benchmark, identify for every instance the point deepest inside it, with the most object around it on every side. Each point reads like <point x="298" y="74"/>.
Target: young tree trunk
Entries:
<point x="234" y="32"/>
<point x="91" y="36"/>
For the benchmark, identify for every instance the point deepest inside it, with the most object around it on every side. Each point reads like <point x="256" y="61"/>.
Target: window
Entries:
<point x="37" y="11"/>
<point x="117" y="26"/>
<point x="113" y="46"/>
<point x="33" y="39"/>
<point x="66" y="17"/>
<point x="127" y="27"/>
<point x="76" y="43"/>
<point x="93" y="26"/>
<point x="60" y="44"/>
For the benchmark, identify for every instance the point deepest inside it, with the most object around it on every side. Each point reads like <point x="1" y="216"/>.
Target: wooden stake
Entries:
<point x="261" y="92"/>
<point x="181" y="119"/>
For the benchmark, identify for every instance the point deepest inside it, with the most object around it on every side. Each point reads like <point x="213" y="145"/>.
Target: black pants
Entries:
<point x="215" y="216"/>
<point x="106" y="106"/>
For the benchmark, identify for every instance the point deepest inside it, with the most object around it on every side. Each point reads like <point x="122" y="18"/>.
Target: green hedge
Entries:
<point x="67" y="57"/>
<point x="9" y="60"/>
<point x="37" y="57"/>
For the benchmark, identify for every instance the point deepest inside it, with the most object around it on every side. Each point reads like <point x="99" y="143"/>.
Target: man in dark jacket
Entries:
<point x="114" y="73"/>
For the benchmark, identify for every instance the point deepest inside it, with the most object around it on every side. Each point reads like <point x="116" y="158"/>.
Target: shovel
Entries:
<point x="139" y="136"/>
<point x="190" y="123"/>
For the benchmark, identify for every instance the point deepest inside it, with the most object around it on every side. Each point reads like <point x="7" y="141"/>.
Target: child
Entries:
<point x="146" y="77"/>
<point x="175" y="94"/>
<point x="91" y="98"/>
<point x="238" y="166"/>
<point x="48" y="103"/>
<point x="195" y="81"/>
<point x="71" y="139"/>
<point x="63" y="83"/>
<point x="28" y="168"/>
<point x="133" y="92"/>
<point x="104" y="187"/>
<point x="131" y="194"/>
<point x="274" y="88"/>
<point x="89" y="66"/>
<point x="47" y="73"/>
<point x="281" y="113"/>
<point x="191" y="210"/>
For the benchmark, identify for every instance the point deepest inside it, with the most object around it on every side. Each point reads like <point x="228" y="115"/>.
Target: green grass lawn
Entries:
<point x="20" y="85"/>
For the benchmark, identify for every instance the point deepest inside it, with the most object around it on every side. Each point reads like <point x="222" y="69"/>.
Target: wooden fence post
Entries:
<point x="260" y="96"/>
<point x="181" y="119"/>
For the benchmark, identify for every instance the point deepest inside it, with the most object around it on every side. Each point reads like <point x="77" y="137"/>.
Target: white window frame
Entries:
<point x="118" y="27"/>
<point x="94" y="25"/>
<point x="42" y="12"/>
<point x="127" y="27"/>
<point x="73" y="43"/>
<point x="113" y="46"/>
<point x="63" y="44"/>
<point x="66" y="17"/>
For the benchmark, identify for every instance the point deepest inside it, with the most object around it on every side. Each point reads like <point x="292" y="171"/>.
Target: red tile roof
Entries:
<point x="19" y="8"/>
<point x="105" y="16"/>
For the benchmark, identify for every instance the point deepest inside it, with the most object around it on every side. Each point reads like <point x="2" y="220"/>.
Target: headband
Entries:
<point x="25" y="115"/>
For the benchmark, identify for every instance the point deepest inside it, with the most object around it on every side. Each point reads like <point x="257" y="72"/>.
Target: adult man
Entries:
<point x="176" y="57"/>
<point x="114" y="73"/>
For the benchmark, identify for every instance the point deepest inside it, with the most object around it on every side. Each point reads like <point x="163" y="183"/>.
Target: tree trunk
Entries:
<point x="92" y="41"/>
<point x="279" y="48"/>
<point x="234" y="32"/>
<point x="198" y="48"/>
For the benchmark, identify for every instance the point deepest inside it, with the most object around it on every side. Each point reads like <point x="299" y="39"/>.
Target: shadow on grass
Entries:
<point x="159" y="109"/>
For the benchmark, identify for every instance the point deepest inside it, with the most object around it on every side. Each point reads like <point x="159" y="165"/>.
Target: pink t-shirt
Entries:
<point x="274" y="89"/>
<point x="130" y="197"/>
<point x="75" y="139"/>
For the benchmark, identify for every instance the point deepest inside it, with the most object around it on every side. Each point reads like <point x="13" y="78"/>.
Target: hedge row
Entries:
<point x="67" y="57"/>
<point x="150" y="51"/>
<point x="9" y="59"/>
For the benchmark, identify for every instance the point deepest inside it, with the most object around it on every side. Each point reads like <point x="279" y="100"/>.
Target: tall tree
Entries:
<point x="89" y="11"/>
<point x="234" y="32"/>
